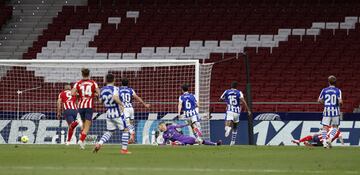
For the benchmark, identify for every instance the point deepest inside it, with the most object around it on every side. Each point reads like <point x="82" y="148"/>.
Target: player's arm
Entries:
<point x="74" y="90"/>
<point x="181" y="125"/>
<point x="222" y="97"/>
<point x="139" y="99"/>
<point x="179" y="107"/>
<point x="246" y="105"/>
<point x="340" y="98"/>
<point x="58" y="114"/>
<point x="118" y="101"/>
<point x="97" y="90"/>
<point x="321" y="98"/>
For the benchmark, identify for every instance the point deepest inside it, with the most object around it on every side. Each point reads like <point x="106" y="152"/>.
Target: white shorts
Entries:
<point x="192" y="119"/>
<point x="232" y="116"/>
<point x="115" y="123"/>
<point x="129" y="113"/>
<point x="331" y="121"/>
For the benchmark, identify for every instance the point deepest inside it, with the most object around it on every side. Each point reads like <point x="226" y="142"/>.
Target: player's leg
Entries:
<point x="335" y="126"/>
<point x="228" y="123"/>
<point x="110" y="127"/>
<point x="195" y="125"/>
<point x="335" y="122"/>
<point x="326" y="125"/>
<point x="304" y="139"/>
<point x="235" y="122"/>
<point x="87" y="125"/>
<point x="130" y="122"/>
<point x="121" y="124"/>
<point x="70" y="116"/>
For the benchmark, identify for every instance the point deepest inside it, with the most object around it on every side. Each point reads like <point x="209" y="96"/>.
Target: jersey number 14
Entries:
<point x="86" y="90"/>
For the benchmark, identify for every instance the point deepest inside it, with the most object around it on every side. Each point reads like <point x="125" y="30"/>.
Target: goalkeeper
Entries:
<point x="170" y="133"/>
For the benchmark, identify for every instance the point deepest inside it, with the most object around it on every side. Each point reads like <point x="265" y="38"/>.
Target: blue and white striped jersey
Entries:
<point x="232" y="98"/>
<point x="112" y="108"/>
<point x="331" y="96"/>
<point x="188" y="104"/>
<point x="126" y="95"/>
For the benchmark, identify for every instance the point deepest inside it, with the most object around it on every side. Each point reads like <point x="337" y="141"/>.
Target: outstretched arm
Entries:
<point x="141" y="100"/>
<point x="181" y="125"/>
<point x="179" y="107"/>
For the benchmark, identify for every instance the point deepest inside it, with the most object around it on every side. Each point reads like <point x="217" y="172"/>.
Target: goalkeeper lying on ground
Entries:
<point x="170" y="133"/>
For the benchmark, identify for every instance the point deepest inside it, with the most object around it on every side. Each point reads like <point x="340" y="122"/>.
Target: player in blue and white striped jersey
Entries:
<point x="188" y="107"/>
<point x="233" y="98"/>
<point x="109" y="95"/>
<point x="126" y="95"/>
<point x="331" y="98"/>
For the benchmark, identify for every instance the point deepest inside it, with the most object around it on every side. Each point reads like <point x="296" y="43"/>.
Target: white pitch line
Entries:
<point x="161" y="169"/>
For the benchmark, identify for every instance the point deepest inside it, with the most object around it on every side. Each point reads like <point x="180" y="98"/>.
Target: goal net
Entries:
<point x="30" y="88"/>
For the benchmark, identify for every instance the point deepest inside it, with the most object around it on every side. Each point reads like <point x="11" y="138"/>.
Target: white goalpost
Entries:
<point x="30" y="88"/>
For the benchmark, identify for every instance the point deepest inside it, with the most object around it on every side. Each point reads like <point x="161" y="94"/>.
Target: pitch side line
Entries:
<point x="161" y="169"/>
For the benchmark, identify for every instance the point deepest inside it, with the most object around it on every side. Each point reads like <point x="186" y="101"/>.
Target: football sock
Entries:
<point x="124" y="140"/>
<point x="82" y="136"/>
<point x="323" y="134"/>
<point x="233" y="136"/>
<point x="71" y="130"/>
<point x="333" y="133"/>
<point x="107" y="135"/>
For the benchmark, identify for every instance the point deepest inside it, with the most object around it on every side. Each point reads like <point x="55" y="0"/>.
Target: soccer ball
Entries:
<point x="24" y="139"/>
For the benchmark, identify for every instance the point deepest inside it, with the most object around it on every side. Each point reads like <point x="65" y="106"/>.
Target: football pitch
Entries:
<point x="59" y="159"/>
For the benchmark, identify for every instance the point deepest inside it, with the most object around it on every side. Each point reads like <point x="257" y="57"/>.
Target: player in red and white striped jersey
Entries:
<point x="317" y="139"/>
<point x="68" y="102"/>
<point x="87" y="90"/>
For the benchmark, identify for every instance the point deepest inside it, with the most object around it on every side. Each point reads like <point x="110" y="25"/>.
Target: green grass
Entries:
<point x="59" y="159"/>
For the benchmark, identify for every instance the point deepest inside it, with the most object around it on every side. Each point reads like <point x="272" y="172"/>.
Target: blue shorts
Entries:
<point x="70" y="115"/>
<point x="86" y="114"/>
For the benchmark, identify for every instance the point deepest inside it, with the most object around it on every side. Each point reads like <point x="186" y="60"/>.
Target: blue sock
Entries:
<point x="333" y="133"/>
<point x="233" y="136"/>
<point x="131" y="128"/>
<point x="323" y="134"/>
<point x="124" y="140"/>
<point x="205" y="142"/>
<point x="107" y="135"/>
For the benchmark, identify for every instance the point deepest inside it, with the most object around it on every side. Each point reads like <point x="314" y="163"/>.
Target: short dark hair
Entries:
<point x="85" y="72"/>
<point x="109" y="78"/>
<point x="234" y="84"/>
<point x="185" y="87"/>
<point x="332" y="80"/>
<point x="161" y="123"/>
<point x="125" y="82"/>
<point x="67" y="86"/>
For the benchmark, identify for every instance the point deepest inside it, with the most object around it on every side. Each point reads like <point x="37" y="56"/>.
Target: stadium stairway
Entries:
<point x="30" y="18"/>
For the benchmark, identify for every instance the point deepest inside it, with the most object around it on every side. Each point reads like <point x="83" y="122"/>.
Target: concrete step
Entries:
<point x="8" y="48"/>
<point x="15" y="37"/>
<point x="11" y="42"/>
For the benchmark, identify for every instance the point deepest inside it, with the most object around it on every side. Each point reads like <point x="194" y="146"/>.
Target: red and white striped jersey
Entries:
<point x="69" y="102"/>
<point x="86" y="90"/>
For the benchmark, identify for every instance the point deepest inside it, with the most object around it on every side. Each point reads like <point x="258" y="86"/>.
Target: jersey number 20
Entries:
<point x="330" y="99"/>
